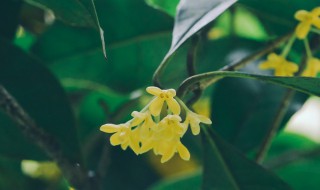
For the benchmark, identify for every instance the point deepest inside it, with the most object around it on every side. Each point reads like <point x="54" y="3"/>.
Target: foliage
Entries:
<point x="68" y="67"/>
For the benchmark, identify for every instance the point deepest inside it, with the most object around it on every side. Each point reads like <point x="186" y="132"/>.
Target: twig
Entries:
<point x="72" y="171"/>
<point x="290" y="157"/>
<point x="282" y="110"/>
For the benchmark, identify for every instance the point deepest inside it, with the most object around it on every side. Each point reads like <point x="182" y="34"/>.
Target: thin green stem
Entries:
<point x="308" y="49"/>
<point x="288" y="46"/>
<point x="159" y="71"/>
<point x="317" y="31"/>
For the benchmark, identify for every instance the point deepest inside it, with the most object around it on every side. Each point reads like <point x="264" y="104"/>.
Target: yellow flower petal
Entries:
<point x="204" y="119"/>
<point x="195" y="128"/>
<point x="156" y="106"/>
<point x="303" y="29"/>
<point x="146" y="146"/>
<point x="167" y="153"/>
<point x="183" y="152"/>
<point x="115" y="139"/>
<point x="316" y="11"/>
<point x="110" y="128"/>
<point x="301" y="15"/>
<point x="154" y="90"/>
<point x="173" y="106"/>
<point x="171" y="92"/>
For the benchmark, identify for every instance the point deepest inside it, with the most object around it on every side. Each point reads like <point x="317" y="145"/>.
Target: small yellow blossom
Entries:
<point x="313" y="68"/>
<point x="194" y="120"/>
<point x="161" y="97"/>
<point x="307" y="19"/>
<point x="148" y="130"/>
<point x="122" y="136"/>
<point x="281" y="66"/>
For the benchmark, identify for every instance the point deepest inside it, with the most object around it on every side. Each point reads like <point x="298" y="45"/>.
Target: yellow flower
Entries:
<point x="281" y="66"/>
<point x="313" y="68"/>
<point x="165" y="139"/>
<point x="161" y="97"/>
<point x="307" y="19"/>
<point x="194" y="120"/>
<point x="145" y="121"/>
<point x="123" y="135"/>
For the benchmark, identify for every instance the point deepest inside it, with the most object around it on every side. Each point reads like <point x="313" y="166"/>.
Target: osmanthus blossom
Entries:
<point x="312" y="68"/>
<point x="148" y="130"/>
<point x="281" y="66"/>
<point x="307" y="20"/>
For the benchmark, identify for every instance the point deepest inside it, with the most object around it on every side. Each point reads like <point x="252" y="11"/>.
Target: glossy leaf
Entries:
<point x="192" y="16"/>
<point x="75" y="53"/>
<point x="168" y="6"/>
<point x="41" y="95"/>
<point x="226" y="168"/>
<point x="306" y="85"/>
<point x="244" y="109"/>
<point x="76" y="13"/>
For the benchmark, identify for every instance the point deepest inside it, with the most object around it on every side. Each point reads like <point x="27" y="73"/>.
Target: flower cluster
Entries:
<point x="309" y="21"/>
<point x="158" y="126"/>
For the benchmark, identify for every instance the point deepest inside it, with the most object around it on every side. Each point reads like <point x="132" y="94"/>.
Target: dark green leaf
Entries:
<point x="303" y="84"/>
<point x="226" y="168"/>
<point x="168" y="6"/>
<point x="192" y="16"/>
<point x="9" y="14"/>
<point x="41" y="95"/>
<point x="273" y="15"/>
<point x="243" y="110"/>
<point x="134" y="51"/>
<point x="73" y="12"/>
<point x="185" y="182"/>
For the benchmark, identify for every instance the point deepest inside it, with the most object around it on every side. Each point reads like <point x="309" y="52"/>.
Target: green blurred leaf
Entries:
<point x="168" y="6"/>
<point x="273" y="15"/>
<point x="192" y="16"/>
<point x="186" y="182"/>
<point x="40" y="94"/>
<point x="243" y="110"/>
<point x="134" y="51"/>
<point x="225" y="168"/>
<point x="9" y="14"/>
<point x="300" y="174"/>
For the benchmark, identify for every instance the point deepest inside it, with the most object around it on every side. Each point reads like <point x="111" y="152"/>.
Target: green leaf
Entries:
<point x="73" y="12"/>
<point x="243" y="110"/>
<point x="186" y="182"/>
<point x="74" y="52"/>
<point x="9" y="14"/>
<point x="226" y="168"/>
<point x="302" y="173"/>
<point x="76" y="13"/>
<point x="272" y="14"/>
<point x="41" y="95"/>
<point x="192" y="16"/>
<point x="302" y="84"/>
<point x="168" y="6"/>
